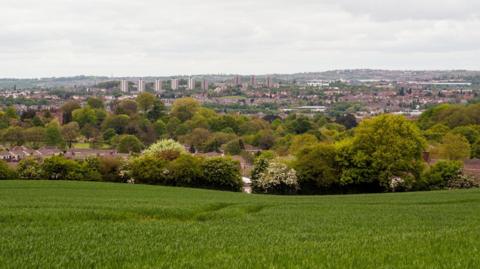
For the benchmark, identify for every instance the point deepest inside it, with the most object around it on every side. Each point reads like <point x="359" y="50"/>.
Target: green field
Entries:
<point x="48" y="224"/>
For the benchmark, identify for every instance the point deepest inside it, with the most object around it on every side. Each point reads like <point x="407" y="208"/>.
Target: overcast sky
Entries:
<point x="160" y="37"/>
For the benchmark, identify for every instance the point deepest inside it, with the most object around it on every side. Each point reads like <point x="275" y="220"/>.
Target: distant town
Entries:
<point x="362" y="93"/>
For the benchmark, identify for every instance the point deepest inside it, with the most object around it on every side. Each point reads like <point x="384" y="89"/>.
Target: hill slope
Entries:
<point x="81" y="224"/>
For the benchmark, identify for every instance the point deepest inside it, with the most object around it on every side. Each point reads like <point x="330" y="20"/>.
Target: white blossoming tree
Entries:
<point x="167" y="149"/>
<point x="277" y="178"/>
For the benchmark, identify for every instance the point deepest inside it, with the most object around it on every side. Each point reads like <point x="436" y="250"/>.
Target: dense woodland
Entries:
<point x="299" y="154"/>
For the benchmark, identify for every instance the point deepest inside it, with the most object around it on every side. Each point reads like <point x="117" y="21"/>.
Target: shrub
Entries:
<point x="90" y="169"/>
<point x="317" y="169"/>
<point x="463" y="182"/>
<point x="6" y="172"/>
<point x="111" y="169"/>
<point x="58" y="167"/>
<point x="277" y="179"/>
<point x="29" y="168"/>
<point x="222" y="174"/>
<point x="260" y="166"/>
<point x="186" y="171"/>
<point x="440" y="174"/>
<point x="149" y="170"/>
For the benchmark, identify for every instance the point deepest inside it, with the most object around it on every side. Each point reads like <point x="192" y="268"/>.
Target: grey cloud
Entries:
<point x="142" y="37"/>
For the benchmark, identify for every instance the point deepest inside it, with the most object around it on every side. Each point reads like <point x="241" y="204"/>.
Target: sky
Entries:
<point x="185" y="37"/>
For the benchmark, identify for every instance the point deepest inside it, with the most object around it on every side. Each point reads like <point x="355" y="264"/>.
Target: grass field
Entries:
<point x="85" y="225"/>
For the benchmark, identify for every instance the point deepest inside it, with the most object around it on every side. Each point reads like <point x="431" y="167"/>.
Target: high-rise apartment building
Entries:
<point x="237" y="80"/>
<point x="174" y="84"/>
<point x="269" y="82"/>
<point x="253" y="81"/>
<point x="191" y="84"/>
<point x="158" y="85"/>
<point x="141" y="85"/>
<point x="124" y="85"/>
<point x="205" y="84"/>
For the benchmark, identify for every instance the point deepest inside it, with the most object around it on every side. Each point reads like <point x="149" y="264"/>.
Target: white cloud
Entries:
<point x="147" y="37"/>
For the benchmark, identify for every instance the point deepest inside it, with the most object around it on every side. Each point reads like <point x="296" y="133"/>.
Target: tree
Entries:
<point x="145" y="101"/>
<point x="436" y="132"/>
<point x="108" y="134"/>
<point x="35" y="136"/>
<point x="470" y="132"/>
<point x="197" y="138"/>
<point x="127" y="107"/>
<point x="264" y="139"/>
<point x="84" y="116"/>
<point x="222" y="174"/>
<point x="299" y="125"/>
<point x="157" y="111"/>
<point x="67" y="110"/>
<point x="347" y="120"/>
<point x="37" y="121"/>
<point x="11" y="112"/>
<point x="301" y="141"/>
<point x="455" y="147"/>
<point x="277" y="178"/>
<point x="317" y="169"/>
<point x="90" y="131"/>
<point x="476" y="150"/>
<point x="70" y="132"/>
<point x="117" y="122"/>
<point x="129" y="143"/>
<point x="172" y="126"/>
<point x="165" y="149"/>
<point x="14" y="136"/>
<point x="233" y="147"/>
<point x="184" y="108"/>
<point x="160" y="127"/>
<point x="383" y="148"/>
<point x="6" y="172"/>
<point x="95" y="103"/>
<point x="53" y="134"/>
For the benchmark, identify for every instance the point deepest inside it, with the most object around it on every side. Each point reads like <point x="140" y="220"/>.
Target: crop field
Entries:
<point x="58" y="224"/>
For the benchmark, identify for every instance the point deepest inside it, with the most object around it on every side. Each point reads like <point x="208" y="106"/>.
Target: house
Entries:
<point x="472" y="168"/>
<point x="81" y="154"/>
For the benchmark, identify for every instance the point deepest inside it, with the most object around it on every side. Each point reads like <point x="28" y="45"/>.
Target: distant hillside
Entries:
<point x="354" y="74"/>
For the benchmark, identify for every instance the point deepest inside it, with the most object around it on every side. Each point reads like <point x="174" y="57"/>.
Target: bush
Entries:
<point x="6" y="172"/>
<point x="317" y="169"/>
<point x="463" y="182"/>
<point x="89" y="169"/>
<point x="111" y="169"/>
<point x="61" y="168"/>
<point x="29" y="168"/>
<point x="186" y="171"/>
<point x="440" y="175"/>
<point x="260" y="166"/>
<point x="222" y="174"/>
<point x="149" y="170"/>
<point x="277" y="178"/>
